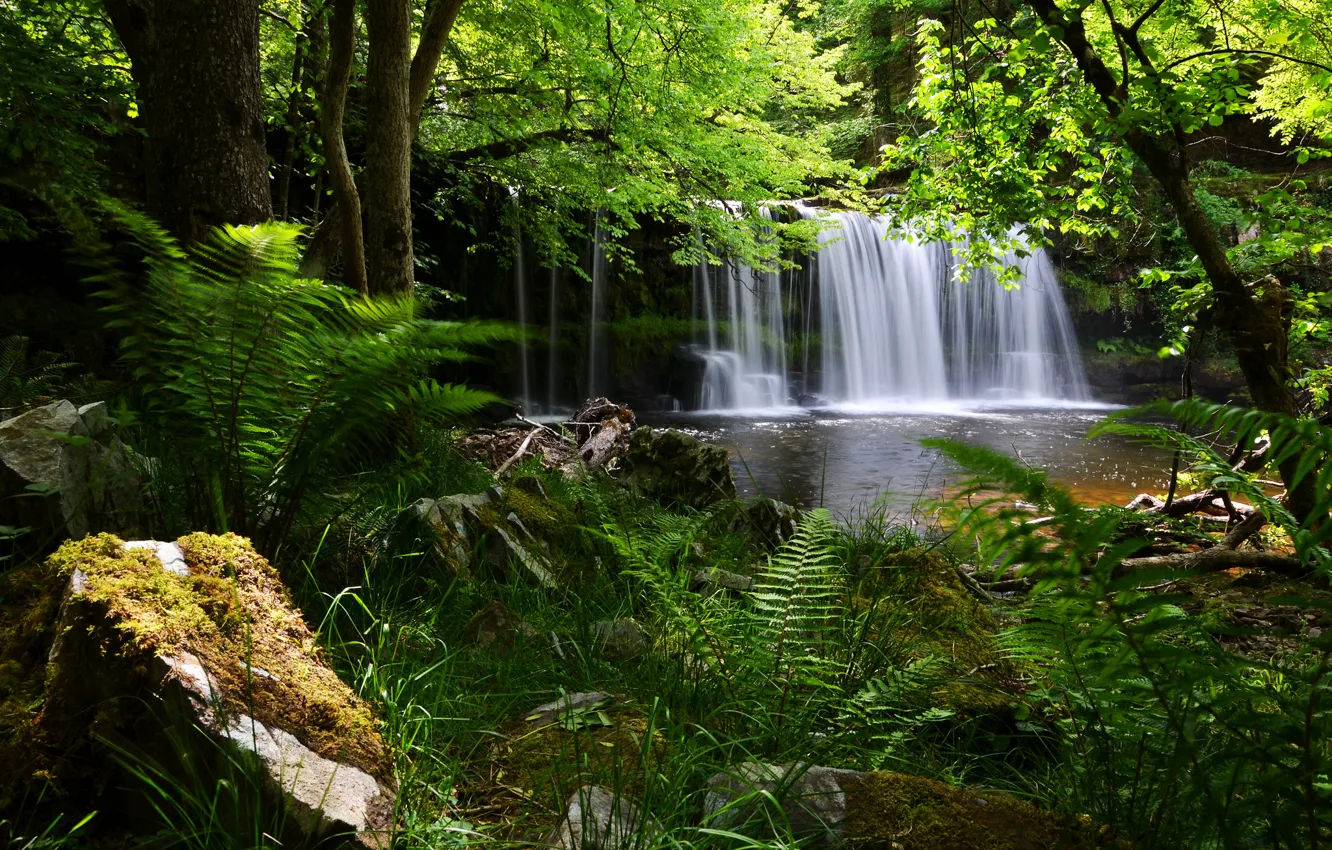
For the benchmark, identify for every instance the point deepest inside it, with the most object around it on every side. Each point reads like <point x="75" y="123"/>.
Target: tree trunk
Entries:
<point x="342" y="49"/>
<point x="294" y="126"/>
<point x="388" y="148"/>
<point x="196" y="71"/>
<point x="1255" y="327"/>
<point x="439" y="20"/>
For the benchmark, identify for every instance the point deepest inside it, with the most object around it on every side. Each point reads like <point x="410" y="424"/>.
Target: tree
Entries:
<point x="1042" y="120"/>
<point x="196" y="69"/>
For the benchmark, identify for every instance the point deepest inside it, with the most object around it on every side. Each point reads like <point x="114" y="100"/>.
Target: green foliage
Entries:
<point x="261" y="387"/>
<point x="1164" y="733"/>
<point x="639" y="111"/>
<point x="32" y="379"/>
<point x="59" y="97"/>
<point x="797" y="598"/>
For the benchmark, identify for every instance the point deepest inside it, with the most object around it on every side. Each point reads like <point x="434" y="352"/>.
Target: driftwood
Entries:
<point x="1204" y="501"/>
<point x="1224" y="555"/>
<point x="1217" y="559"/>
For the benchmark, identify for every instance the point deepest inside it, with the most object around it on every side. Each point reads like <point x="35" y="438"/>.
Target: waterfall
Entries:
<point x="744" y="362"/>
<point x="594" y="344"/>
<point x="899" y="326"/>
<point x="552" y="350"/>
<point x="520" y="289"/>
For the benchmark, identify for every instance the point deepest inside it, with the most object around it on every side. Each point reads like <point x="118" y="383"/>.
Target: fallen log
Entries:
<point x="1218" y="559"/>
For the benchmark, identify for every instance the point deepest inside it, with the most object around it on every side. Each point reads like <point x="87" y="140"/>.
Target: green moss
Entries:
<point x="912" y="813"/>
<point x="234" y="614"/>
<point x="549" y="764"/>
<point x="29" y="603"/>
<point x="945" y="621"/>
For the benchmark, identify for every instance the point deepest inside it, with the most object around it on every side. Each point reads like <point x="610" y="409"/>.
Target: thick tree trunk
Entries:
<point x="388" y="148"/>
<point x="196" y="69"/>
<point x="342" y="49"/>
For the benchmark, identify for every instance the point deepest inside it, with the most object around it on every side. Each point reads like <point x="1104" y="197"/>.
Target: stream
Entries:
<point x="848" y="460"/>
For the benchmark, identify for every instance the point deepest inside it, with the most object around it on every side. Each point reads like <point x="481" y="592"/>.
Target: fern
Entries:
<point x="1163" y="732"/>
<point x="1302" y="445"/>
<point x="263" y="385"/>
<point x="797" y="599"/>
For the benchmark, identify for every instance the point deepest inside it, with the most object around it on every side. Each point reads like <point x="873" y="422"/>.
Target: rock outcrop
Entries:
<point x="676" y="468"/>
<point x="452" y="525"/>
<point x="193" y="634"/>
<point x="65" y="473"/>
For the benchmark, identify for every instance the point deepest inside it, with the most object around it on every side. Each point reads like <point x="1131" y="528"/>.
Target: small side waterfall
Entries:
<point x="520" y="290"/>
<point x="552" y="351"/>
<point x="744" y="360"/>
<point x="595" y="355"/>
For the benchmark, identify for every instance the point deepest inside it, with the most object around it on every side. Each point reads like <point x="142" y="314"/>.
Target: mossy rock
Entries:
<point x="676" y="469"/>
<point x="945" y="622"/>
<point x="605" y="745"/>
<point x="900" y="812"/>
<point x="204" y="629"/>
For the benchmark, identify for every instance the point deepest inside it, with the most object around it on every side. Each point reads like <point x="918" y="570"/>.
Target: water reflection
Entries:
<point x="847" y="461"/>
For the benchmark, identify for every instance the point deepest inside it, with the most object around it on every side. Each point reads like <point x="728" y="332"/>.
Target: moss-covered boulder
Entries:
<point x="116" y="642"/>
<point x="828" y="807"/>
<point x="902" y="812"/>
<point x="554" y="749"/>
<point x="676" y="468"/>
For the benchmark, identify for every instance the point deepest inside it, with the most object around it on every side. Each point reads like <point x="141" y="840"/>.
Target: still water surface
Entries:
<point x="848" y="459"/>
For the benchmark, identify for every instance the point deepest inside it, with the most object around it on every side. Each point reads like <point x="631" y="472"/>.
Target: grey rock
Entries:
<point x="82" y="467"/>
<point x="810" y="800"/>
<point x="454" y="523"/>
<point x="597" y="819"/>
<point x="497" y="627"/>
<point x="549" y="713"/>
<point x="717" y="580"/>
<point x="621" y="640"/>
<point x="323" y="797"/>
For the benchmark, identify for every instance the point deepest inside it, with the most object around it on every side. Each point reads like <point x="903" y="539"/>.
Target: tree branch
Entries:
<point x="1274" y="54"/>
<point x="512" y="147"/>
<point x="439" y="18"/>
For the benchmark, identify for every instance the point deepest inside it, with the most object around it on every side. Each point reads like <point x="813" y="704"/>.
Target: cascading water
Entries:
<point x="744" y="362"/>
<point x="552" y="353"/>
<point x="520" y="293"/>
<point x="899" y="327"/>
<point x="594" y="344"/>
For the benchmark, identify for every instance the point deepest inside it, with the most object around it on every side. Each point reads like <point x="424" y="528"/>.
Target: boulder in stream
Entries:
<point x="675" y="468"/>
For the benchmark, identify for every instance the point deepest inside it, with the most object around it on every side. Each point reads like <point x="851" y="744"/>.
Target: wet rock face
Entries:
<point x="676" y="469"/>
<point x="200" y="634"/>
<point x="74" y="455"/>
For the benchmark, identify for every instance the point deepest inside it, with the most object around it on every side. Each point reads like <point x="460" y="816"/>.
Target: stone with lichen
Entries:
<point x="196" y="634"/>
